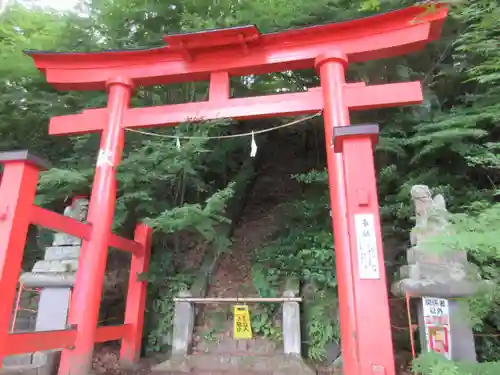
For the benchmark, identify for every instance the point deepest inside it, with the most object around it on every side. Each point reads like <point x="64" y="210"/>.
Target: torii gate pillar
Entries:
<point x="86" y="299"/>
<point x="364" y="313"/>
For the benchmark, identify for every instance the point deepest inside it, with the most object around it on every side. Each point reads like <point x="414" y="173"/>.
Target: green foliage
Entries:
<point x="303" y="249"/>
<point x="435" y="364"/>
<point x="321" y="322"/>
<point x="166" y="280"/>
<point x="475" y="233"/>
<point x="263" y="322"/>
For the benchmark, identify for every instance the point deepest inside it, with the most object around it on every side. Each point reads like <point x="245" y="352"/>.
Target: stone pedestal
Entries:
<point x="182" y="335"/>
<point x="55" y="276"/>
<point x="435" y="273"/>
<point x="227" y="355"/>
<point x="462" y="338"/>
<point x="292" y="342"/>
<point x="53" y="309"/>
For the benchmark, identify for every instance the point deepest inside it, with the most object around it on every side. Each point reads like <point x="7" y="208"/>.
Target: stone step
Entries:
<point x="15" y="361"/>
<point x="48" y="280"/>
<point x="55" y="266"/>
<point x="62" y="252"/>
<point x="202" y="372"/>
<point x="39" y="363"/>
<point x="21" y="370"/>
<point x="414" y="255"/>
<point x="430" y="271"/>
<point x="217" y="363"/>
<point x="227" y="345"/>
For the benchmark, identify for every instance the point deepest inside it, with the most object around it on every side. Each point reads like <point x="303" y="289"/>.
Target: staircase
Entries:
<point x="213" y="349"/>
<point x="235" y="357"/>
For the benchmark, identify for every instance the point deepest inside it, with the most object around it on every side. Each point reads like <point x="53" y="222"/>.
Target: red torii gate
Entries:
<point x="215" y="56"/>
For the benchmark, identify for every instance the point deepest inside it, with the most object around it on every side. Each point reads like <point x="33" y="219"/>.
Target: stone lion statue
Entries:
<point x="431" y="215"/>
<point x="77" y="210"/>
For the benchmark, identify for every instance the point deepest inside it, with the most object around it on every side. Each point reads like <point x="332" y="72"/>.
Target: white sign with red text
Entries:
<point x="436" y="313"/>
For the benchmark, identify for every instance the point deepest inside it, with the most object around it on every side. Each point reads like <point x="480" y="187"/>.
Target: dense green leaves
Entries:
<point x="303" y="250"/>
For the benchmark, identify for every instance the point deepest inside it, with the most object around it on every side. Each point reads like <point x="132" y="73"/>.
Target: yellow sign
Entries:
<point x="438" y="335"/>
<point x="242" y="324"/>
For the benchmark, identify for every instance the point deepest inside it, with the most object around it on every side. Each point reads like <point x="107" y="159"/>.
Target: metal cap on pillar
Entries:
<point x="341" y="133"/>
<point x="24" y="156"/>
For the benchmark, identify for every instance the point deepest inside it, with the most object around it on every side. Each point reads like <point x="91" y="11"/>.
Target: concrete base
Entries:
<point x="52" y="316"/>
<point x="46" y="280"/>
<point x="182" y="336"/>
<point x="53" y="309"/>
<point x="432" y="288"/>
<point x="18" y="360"/>
<point x="59" y="253"/>
<point x="276" y="365"/>
<point x="20" y="370"/>
<point x="55" y="266"/>
<point x="462" y="338"/>
<point x="292" y="340"/>
<point x="227" y="346"/>
<point x="41" y="363"/>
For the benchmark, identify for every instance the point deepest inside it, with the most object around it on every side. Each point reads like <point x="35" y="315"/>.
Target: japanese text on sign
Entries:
<point x="437" y="325"/>
<point x="436" y="311"/>
<point x="242" y="324"/>
<point x="366" y="240"/>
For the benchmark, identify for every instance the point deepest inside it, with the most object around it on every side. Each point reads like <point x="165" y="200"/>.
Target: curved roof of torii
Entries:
<point x="244" y="50"/>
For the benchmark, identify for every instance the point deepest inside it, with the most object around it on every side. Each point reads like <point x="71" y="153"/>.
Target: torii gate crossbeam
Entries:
<point x="216" y="55"/>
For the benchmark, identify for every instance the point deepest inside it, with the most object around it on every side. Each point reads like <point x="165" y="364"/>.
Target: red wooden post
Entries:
<point x="92" y="264"/>
<point x="136" y="297"/>
<point x="364" y="309"/>
<point x="17" y="193"/>
<point x="335" y="114"/>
